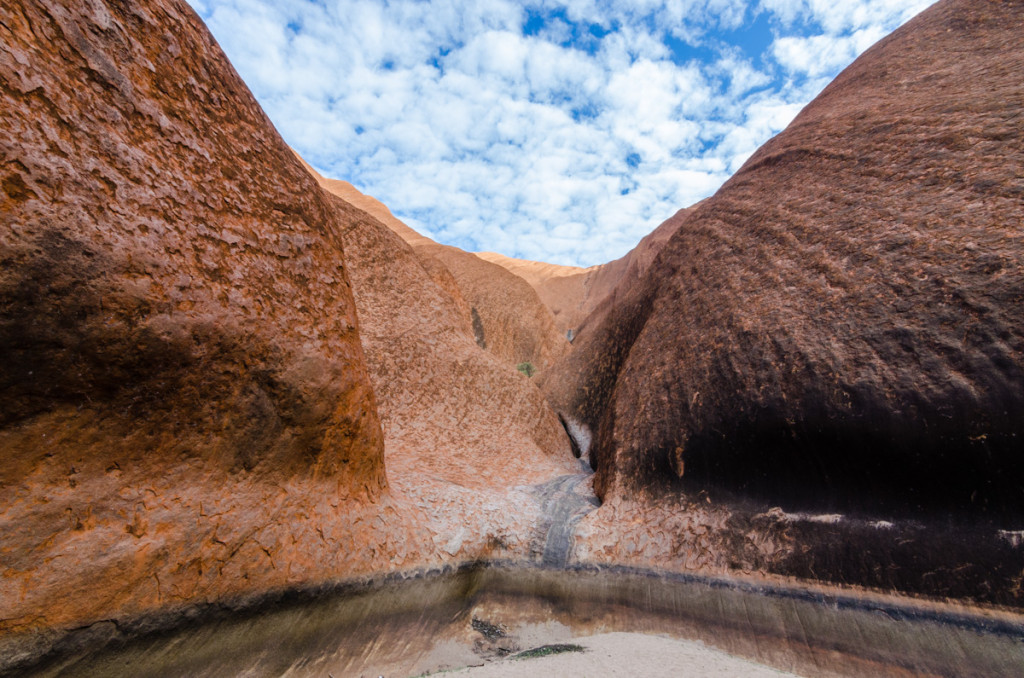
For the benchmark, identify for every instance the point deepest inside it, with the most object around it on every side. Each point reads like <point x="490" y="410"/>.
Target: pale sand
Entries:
<point x="631" y="655"/>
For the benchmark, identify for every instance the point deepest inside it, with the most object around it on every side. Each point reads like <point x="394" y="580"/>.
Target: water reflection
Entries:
<point x="409" y="626"/>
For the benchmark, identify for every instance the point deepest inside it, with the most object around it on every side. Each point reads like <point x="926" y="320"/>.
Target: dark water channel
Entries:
<point x="409" y="626"/>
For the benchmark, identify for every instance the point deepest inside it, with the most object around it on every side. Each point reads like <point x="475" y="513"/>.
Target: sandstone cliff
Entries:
<point x="437" y="271"/>
<point x="185" y="410"/>
<point x="573" y="294"/>
<point x="502" y="311"/>
<point x="187" y="413"/>
<point x="206" y="360"/>
<point x="450" y="410"/>
<point x="842" y="325"/>
<point x="822" y="374"/>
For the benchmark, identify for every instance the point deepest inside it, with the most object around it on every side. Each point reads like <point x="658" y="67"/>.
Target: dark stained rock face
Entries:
<point x="507" y="315"/>
<point x="842" y="325"/>
<point x="182" y="385"/>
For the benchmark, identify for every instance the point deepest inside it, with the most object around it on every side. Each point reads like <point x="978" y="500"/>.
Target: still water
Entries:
<point x="408" y="626"/>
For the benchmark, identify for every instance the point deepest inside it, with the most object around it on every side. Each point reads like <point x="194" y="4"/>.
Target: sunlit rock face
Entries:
<point x="501" y="309"/>
<point x="450" y="409"/>
<point x="842" y="326"/>
<point x="578" y="297"/>
<point x="191" y="412"/>
<point x="507" y="315"/>
<point x="185" y="410"/>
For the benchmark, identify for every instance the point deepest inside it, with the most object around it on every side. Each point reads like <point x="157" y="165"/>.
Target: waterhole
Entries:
<point x="433" y="621"/>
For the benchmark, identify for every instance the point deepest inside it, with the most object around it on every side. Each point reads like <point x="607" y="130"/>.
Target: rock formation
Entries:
<point x="504" y="313"/>
<point x="449" y="409"/>
<point x="186" y="411"/>
<point x="223" y="378"/>
<point x="437" y="271"/>
<point x="842" y="325"/>
<point x="822" y="374"/>
<point x="572" y="294"/>
<point x="507" y="316"/>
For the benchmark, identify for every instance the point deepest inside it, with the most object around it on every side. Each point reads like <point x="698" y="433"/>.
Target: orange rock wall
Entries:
<point x="185" y="410"/>
<point x="450" y="410"/>
<point x="499" y="309"/>
<point x="573" y="294"/>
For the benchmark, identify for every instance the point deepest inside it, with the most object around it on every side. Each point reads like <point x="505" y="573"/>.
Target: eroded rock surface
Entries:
<point x="564" y="501"/>
<point x="502" y="311"/>
<point x="840" y="330"/>
<point x="848" y="308"/>
<point x="447" y="406"/>
<point x="573" y="294"/>
<point x="191" y="413"/>
<point x="186" y="412"/>
<point x="465" y="433"/>
<point x="508" y="317"/>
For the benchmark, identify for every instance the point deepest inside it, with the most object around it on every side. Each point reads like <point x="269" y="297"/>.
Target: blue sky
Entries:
<point x="554" y="131"/>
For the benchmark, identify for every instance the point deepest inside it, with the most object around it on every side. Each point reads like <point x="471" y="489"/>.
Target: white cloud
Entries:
<point x="819" y="55"/>
<point x="567" y="145"/>
<point x="841" y="17"/>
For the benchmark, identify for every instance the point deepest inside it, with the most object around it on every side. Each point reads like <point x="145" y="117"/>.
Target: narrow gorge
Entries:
<point x="254" y="424"/>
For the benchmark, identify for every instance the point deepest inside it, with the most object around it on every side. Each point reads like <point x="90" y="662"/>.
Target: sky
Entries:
<point x="559" y="131"/>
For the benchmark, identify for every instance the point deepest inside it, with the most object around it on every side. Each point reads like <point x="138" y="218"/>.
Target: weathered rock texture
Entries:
<point x="573" y="294"/>
<point x="563" y="289"/>
<point x="506" y="315"/>
<point x="502" y="311"/>
<point x="450" y="410"/>
<point x="437" y="271"/>
<point x="842" y="325"/>
<point x="185" y="411"/>
<point x="187" y="414"/>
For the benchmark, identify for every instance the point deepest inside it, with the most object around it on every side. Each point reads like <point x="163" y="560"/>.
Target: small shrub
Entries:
<point x="526" y="368"/>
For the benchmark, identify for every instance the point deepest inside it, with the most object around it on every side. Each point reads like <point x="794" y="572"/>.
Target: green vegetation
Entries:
<point x="527" y="369"/>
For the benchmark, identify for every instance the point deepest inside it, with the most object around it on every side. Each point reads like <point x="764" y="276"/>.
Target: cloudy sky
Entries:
<point x="559" y="131"/>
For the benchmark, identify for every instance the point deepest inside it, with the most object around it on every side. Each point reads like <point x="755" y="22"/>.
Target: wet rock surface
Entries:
<point x="564" y="501"/>
<point x="494" y="640"/>
<point x="410" y="626"/>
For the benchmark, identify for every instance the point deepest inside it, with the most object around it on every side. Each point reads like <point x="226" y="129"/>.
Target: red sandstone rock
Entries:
<point x="450" y="410"/>
<point x="185" y="408"/>
<point x="187" y="415"/>
<point x="506" y="314"/>
<point x="186" y="412"/>
<point x="437" y="271"/>
<point x="573" y="294"/>
<point x="503" y="313"/>
<point x="843" y="323"/>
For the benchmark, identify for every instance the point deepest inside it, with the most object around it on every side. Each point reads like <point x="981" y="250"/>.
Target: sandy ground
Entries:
<point x="632" y="655"/>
